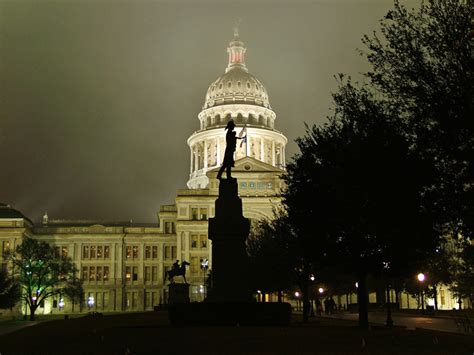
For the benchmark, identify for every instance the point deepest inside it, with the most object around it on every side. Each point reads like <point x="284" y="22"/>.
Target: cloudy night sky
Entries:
<point x="98" y="98"/>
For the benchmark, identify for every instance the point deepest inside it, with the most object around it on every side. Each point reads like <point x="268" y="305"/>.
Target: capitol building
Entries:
<point x="123" y="265"/>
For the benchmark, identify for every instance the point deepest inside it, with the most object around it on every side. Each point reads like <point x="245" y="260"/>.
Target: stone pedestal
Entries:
<point x="178" y="293"/>
<point x="228" y="231"/>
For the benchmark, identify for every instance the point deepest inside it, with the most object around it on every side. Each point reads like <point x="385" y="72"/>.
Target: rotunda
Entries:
<point x="240" y="96"/>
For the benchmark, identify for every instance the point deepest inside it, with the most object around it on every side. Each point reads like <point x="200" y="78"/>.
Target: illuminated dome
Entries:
<point x="237" y="85"/>
<point x="239" y="96"/>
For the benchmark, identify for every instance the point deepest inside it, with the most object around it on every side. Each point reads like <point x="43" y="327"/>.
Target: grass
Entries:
<point x="140" y="333"/>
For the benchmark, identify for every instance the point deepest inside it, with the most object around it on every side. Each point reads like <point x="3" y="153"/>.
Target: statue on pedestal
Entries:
<point x="231" y="143"/>
<point x="177" y="270"/>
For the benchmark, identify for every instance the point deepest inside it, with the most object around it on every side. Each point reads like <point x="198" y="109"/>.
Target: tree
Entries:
<point x="43" y="275"/>
<point x="463" y="273"/>
<point x="276" y="259"/>
<point x="423" y="65"/>
<point x="9" y="290"/>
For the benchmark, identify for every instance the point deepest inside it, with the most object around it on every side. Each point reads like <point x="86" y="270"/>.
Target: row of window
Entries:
<point x="151" y="252"/>
<point x="253" y="185"/>
<point x="199" y="214"/>
<point x="95" y="252"/>
<point x="61" y="252"/>
<point x="198" y="241"/>
<point x="95" y="273"/>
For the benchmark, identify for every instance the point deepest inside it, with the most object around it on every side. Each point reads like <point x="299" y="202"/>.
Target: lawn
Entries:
<point x="140" y="333"/>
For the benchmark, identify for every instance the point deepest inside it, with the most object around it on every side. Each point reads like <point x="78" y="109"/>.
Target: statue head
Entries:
<point x="230" y="125"/>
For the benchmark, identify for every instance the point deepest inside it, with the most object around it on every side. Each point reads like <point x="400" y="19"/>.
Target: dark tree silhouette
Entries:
<point x="9" y="290"/>
<point x="422" y="65"/>
<point x="43" y="275"/>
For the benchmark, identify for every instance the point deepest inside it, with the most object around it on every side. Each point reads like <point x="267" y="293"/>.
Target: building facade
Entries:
<point x="123" y="265"/>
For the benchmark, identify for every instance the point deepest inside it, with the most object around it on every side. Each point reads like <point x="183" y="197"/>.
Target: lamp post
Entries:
<point x="204" y="267"/>
<point x="421" y="278"/>
<point x="297" y="295"/>
<point x="312" y="278"/>
<point x="389" y="321"/>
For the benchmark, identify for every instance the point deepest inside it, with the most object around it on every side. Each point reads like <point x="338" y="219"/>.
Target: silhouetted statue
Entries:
<point x="231" y="143"/>
<point x="177" y="270"/>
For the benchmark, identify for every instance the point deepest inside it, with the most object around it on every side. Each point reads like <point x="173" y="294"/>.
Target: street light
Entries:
<point x="321" y="290"/>
<point x="61" y="303"/>
<point x="204" y="267"/>
<point x="421" y="277"/>
<point x="90" y="302"/>
<point x="297" y="295"/>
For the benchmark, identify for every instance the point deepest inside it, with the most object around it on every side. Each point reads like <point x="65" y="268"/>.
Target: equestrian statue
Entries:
<point x="177" y="270"/>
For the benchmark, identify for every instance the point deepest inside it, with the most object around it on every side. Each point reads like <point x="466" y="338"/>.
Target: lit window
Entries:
<point x="99" y="252"/>
<point x="252" y="185"/>
<point x="194" y="241"/>
<point x="6" y="247"/>
<point x="203" y="241"/>
<point x="106" y="252"/>
<point x="106" y="273"/>
<point x="269" y="185"/>
<point x="64" y="252"/>
<point x="129" y="252"/>
<point x="85" y="252"/>
<point x="128" y="273"/>
<point x="135" y="251"/>
<point x="92" y="273"/>
<point x="99" y="273"/>
<point x="203" y="213"/>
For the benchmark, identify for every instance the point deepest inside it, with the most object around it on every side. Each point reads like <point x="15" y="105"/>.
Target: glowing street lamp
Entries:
<point x="312" y="278"/>
<point x="321" y="290"/>
<point x="61" y="303"/>
<point x="297" y="295"/>
<point x="421" y="277"/>
<point x="90" y="302"/>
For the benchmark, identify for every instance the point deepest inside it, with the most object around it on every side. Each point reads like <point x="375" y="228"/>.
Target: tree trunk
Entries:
<point x="280" y="296"/>
<point x="306" y="305"/>
<point x="435" y="295"/>
<point x="32" y="313"/>
<point x="363" y="300"/>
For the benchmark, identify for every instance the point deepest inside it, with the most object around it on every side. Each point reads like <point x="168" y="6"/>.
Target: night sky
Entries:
<point x="98" y="98"/>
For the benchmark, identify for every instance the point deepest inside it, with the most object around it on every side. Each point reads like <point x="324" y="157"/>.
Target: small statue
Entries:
<point x="177" y="270"/>
<point x="231" y="143"/>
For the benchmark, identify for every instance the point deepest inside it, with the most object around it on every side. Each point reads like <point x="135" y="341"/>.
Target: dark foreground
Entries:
<point x="142" y="333"/>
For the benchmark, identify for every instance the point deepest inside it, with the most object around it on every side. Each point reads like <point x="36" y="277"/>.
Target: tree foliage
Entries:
<point x="42" y="275"/>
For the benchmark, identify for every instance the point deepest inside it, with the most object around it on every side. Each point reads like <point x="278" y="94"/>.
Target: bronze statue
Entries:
<point x="231" y="143"/>
<point x="177" y="270"/>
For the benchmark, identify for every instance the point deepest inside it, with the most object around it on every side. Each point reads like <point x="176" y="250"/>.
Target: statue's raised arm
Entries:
<point x="231" y="143"/>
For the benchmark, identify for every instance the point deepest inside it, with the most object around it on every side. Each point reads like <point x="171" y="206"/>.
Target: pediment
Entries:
<point x="249" y="164"/>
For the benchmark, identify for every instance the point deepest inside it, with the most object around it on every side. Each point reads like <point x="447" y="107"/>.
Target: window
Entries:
<point x="100" y="253"/>
<point x="147" y="274"/>
<point x="128" y="273"/>
<point x="203" y="241"/>
<point x="127" y="300"/>
<point x="85" y="252"/>
<point x="106" y="273"/>
<point x="269" y="185"/>
<point x="106" y="252"/>
<point x="6" y="247"/>
<point x="243" y="185"/>
<point x="173" y="252"/>
<point x="85" y="273"/>
<point x="165" y="270"/>
<point x="92" y="273"/>
<point x="170" y="252"/>
<point x="154" y="273"/>
<point x="261" y="185"/>
<point x="135" y="273"/>
<point x="99" y="273"/>
<point x="93" y="249"/>
<point x="169" y="227"/>
<point x="147" y="252"/>
<point x="194" y="213"/>
<point x="135" y="251"/>
<point x="252" y="185"/>
<point x="129" y="252"/>
<point x="194" y="241"/>
<point x="134" y="299"/>
<point x="106" y="300"/>
<point x="154" y="252"/>
<point x="148" y="300"/>
<point x="64" y="252"/>
<point x="203" y="213"/>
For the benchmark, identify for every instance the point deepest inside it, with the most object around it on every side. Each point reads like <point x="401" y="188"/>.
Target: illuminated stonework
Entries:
<point x="236" y="95"/>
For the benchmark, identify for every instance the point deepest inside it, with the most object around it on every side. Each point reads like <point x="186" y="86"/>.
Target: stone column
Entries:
<point x="262" y="153"/>
<point x="218" y="151"/>
<point x="273" y="152"/>
<point x="205" y="154"/>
